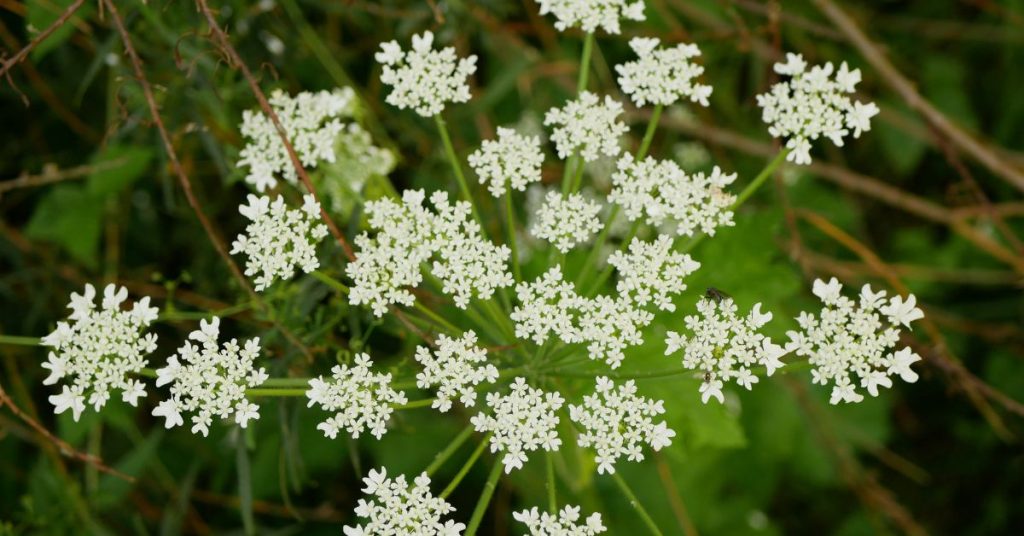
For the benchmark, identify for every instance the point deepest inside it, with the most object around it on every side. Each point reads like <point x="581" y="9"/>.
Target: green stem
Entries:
<point x="287" y="382"/>
<point x="607" y="272"/>
<point x="578" y="178"/>
<point x="449" y="150"/>
<point x="745" y="193"/>
<point x="485" y="499"/>
<point x="649" y="134"/>
<point x="425" y="403"/>
<point x="595" y="250"/>
<point x="510" y="217"/>
<point x="19" y="341"/>
<point x="635" y="503"/>
<point x="438" y="319"/>
<point x="329" y="281"/>
<point x="552" y="502"/>
<point x="465" y="468"/>
<point x="259" y="391"/>
<point x="588" y="50"/>
<point x="443" y="456"/>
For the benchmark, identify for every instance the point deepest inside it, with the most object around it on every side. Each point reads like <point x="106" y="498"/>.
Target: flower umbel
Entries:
<point x="455" y="368"/>
<point x="567" y="221"/>
<point x="616" y="423"/>
<point x="513" y="160"/>
<point x="279" y="239"/>
<point x="398" y="509"/>
<point x="662" y="75"/>
<point x="652" y="272"/>
<point x="812" y="104"/>
<point x="422" y="78"/>
<point x="724" y="346"/>
<point x="589" y="15"/>
<point x="847" y="341"/>
<point x="97" y="350"/>
<point x="361" y="399"/>
<point x="587" y="127"/>
<point x="564" y="524"/>
<point x="524" y="420"/>
<point x="210" y="380"/>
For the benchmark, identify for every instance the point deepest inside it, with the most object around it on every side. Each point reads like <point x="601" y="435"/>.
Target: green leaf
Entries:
<point x="118" y="167"/>
<point x="40" y="14"/>
<point x="70" y="217"/>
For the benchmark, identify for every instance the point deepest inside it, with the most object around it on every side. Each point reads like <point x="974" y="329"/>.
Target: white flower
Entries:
<point x="616" y="423"/>
<point x="524" y="420"/>
<point x="662" y="76"/>
<point x="312" y="121"/>
<point x="279" y="240"/>
<point x="668" y="197"/>
<point x="588" y="15"/>
<point x="610" y="325"/>
<point x="97" y="350"/>
<point x="724" y="346"/>
<point x="360" y="398"/>
<point x="422" y="78"/>
<point x="408" y="235"/>
<point x="514" y="160"/>
<point x="564" y="524"/>
<point x="456" y="368"/>
<point x="587" y="127"/>
<point x="547" y="305"/>
<point x="811" y="105"/>
<point x="848" y="341"/>
<point x="398" y="509"/>
<point x="567" y="221"/>
<point x="211" y="380"/>
<point x="652" y="272"/>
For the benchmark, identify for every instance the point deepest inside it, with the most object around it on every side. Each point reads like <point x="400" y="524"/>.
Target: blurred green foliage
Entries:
<point x="777" y="460"/>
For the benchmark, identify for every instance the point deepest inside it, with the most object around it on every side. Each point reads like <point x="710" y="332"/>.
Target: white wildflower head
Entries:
<point x="589" y="15"/>
<point x="616" y="422"/>
<point x="724" y="346"/>
<point x="96" y="350"/>
<point x="667" y="197"/>
<point x="278" y="239"/>
<point x="848" y="341"/>
<point x="311" y="121"/>
<point x="455" y="369"/>
<point x="549" y="304"/>
<point x="813" y="104"/>
<point x="662" y="75"/>
<point x="210" y="380"/>
<point x="360" y="399"/>
<point x="397" y="509"/>
<point x="587" y="127"/>
<point x="408" y="235"/>
<point x="610" y="325"/>
<point x="524" y="420"/>
<point x="564" y="524"/>
<point x="513" y="160"/>
<point x="567" y="221"/>
<point x="422" y="78"/>
<point x="652" y="272"/>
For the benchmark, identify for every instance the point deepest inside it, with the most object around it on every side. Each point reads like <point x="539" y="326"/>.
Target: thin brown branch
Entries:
<point x="674" y="498"/>
<point x="221" y="39"/>
<point x="51" y="174"/>
<point x="6" y="64"/>
<point x="59" y="444"/>
<point x="900" y="84"/>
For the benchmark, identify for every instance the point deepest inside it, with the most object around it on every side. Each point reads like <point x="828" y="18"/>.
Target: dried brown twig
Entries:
<point x="5" y="65"/>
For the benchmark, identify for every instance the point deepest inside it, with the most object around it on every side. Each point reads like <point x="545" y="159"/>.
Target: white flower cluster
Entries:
<point x="278" y="240"/>
<point x="97" y="350"/>
<point x="652" y="272"/>
<point x="662" y="192"/>
<point x="616" y="423"/>
<point x="396" y="509"/>
<point x="311" y="121"/>
<point x="357" y="160"/>
<point x="524" y="420"/>
<point x="551" y="305"/>
<point x="564" y="524"/>
<point x="811" y="104"/>
<point x="848" y="341"/>
<point x="725" y="346"/>
<point x="360" y="398"/>
<point x="424" y="79"/>
<point x="408" y="235"/>
<point x="210" y="380"/>
<point x="513" y="160"/>
<point x="588" y="15"/>
<point x="566" y="221"/>
<point x="456" y="368"/>
<point x="662" y="76"/>
<point x="587" y="127"/>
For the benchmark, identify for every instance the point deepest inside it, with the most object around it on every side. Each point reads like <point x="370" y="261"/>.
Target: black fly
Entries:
<point x="713" y="293"/>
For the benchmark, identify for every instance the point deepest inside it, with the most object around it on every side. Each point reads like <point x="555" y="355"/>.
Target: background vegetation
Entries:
<point x="929" y="200"/>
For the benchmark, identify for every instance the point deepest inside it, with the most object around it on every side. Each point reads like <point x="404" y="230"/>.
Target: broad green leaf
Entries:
<point x="70" y="217"/>
<point x="119" y="166"/>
